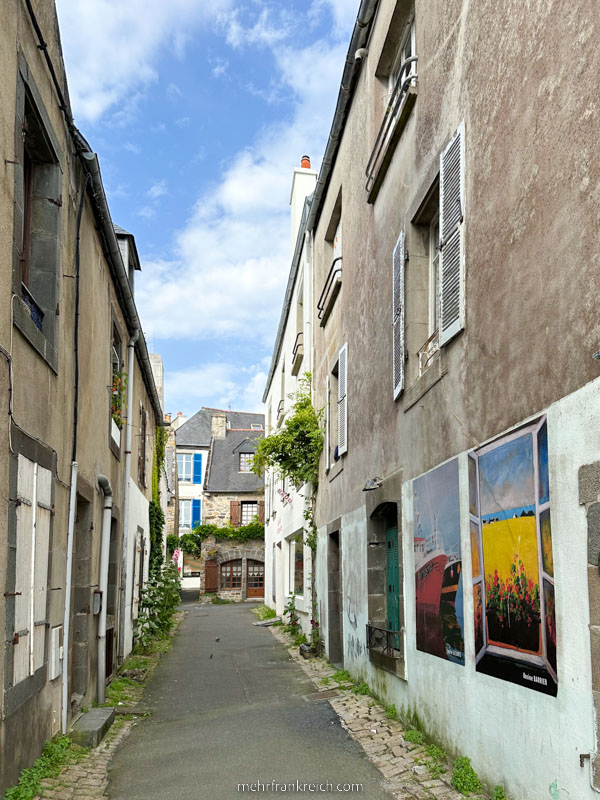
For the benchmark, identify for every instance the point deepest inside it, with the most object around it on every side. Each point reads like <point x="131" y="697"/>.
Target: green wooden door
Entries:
<point x="392" y="579"/>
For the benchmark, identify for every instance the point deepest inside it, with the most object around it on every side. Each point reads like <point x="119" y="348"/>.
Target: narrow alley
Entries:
<point x="228" y="707"/>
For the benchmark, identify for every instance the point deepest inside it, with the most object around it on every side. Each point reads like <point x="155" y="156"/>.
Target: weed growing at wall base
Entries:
<point x="464" y="777"/>
<point x="56" y="754"/>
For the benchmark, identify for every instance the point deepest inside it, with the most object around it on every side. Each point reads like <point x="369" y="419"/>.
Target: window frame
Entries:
<point x="229" y="569"/>
<point x="296" y="545"/>
<point x="245" y="459"/>
<point x="184" y="504"/>
<point x="184" y="460"/>
<point x="244" y="505"/>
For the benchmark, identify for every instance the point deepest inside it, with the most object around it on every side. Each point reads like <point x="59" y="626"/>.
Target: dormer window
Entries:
<point x="246" y="462"/>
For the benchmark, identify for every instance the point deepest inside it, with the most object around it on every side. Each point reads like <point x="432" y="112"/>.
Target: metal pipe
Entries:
<point x="360" y="36"/>
<point x="104" y="484"/>
<point x="126" y="494"/>
<point x="68" y="582"/>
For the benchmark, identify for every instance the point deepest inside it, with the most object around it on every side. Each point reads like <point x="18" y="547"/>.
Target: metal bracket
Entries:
<point x="583" y="757"/>
<point x="12" y="594"/>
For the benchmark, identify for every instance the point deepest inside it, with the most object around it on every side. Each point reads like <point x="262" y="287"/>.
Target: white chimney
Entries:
<point x="303" y="184"/>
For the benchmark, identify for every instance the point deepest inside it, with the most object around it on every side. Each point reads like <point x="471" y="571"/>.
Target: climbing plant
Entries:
<point x="155" y="512"/>
<point x="293" y="452"/>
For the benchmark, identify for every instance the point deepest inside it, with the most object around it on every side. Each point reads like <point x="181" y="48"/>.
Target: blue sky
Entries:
<point x="506" y="476"/>
<point x="199" y="113"/>
<point x="436" y="495"/>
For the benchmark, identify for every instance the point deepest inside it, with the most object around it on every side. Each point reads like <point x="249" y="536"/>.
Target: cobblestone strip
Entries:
<point x="88" y="779"/>
<point x="401" y="763"/>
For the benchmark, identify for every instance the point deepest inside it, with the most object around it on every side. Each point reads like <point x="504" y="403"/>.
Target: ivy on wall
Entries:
<point x="156" y="515"/>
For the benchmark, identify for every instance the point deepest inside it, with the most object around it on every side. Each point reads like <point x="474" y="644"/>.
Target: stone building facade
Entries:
<point x="63" y="450"/>
<point x="455" y="331"/>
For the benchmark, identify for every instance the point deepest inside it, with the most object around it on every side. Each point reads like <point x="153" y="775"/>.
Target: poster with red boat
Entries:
<point x="438" y="564"/>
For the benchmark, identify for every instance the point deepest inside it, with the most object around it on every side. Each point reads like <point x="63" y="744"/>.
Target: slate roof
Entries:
<point x="223" y="470"/>
<point x="121" y="231"/>
<point x="196" y="431"/>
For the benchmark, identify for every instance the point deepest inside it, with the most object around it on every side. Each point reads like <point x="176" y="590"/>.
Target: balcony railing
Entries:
<point x="428" y="352"/>
<point x="298" y="353"/>
<point x="398" y="108"/>
<point x="383" y="641"/>
<point x="35" y="312"/>
<point x="331" y="289"/>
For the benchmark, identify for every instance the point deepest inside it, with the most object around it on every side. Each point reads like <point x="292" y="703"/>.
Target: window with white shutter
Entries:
<point x="398" y="315"/>
<point x="452" y="192"/>
<point x="34" y="493"/>
<point x="342" y="400"/>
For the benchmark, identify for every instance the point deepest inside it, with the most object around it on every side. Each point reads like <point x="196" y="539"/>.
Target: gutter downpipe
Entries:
<point x="74" y="472"/>
<point x="104" y="484"/>
<point x="360" y="36"/>
<point x="126" y="492"/>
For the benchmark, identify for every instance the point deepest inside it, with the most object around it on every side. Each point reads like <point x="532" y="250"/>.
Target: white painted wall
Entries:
<point x="191" y="491"/>
<point x="138" y="518"/>
<point x="523" y="739"/>
<point x="287" y="518"/>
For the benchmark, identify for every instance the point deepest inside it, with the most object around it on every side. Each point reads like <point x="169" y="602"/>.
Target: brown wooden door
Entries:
<point x="255" y="574"/>
<point x="211" y="576"/>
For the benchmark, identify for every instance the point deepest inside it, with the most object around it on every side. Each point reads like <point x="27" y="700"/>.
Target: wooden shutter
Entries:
<point x="327" y="425"/>
<point x="197" y="475"/>
<point x="342" y="400"/>
<point x="24" y="564"/>
<point x="135" y="600"/>
<point x="196" y="513"/>
<point x="398" y="315"/>
<point x="234" y="513"/>
<point x="452" y="192"/>
<point x="261" y="511"/>
<point x="40" y="569"/>
<point x="211" y="576"/>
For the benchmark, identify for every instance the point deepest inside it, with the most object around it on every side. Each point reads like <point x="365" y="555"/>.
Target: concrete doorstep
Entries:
<point x="92" y="727"/>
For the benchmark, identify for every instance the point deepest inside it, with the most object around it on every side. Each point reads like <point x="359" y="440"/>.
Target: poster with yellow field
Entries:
<point x="512" y="562"/>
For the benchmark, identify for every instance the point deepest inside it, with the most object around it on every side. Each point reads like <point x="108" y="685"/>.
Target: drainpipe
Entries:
<point x="104" y="484"/>
<point x="74" y="470"/>
<point x="127" y="491"/>
<point x="68" y="583"/>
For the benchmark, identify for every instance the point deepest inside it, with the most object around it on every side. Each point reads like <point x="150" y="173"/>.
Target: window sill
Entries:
<point x="334" y="470"/>
<point x="434" y="373"/>
<point x="393" y="664"/>
<point x="385" y="158"/>
<point x="22" y="320"/>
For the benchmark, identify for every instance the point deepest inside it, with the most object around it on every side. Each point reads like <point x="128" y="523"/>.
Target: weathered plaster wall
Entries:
<point x="525" y="740"/>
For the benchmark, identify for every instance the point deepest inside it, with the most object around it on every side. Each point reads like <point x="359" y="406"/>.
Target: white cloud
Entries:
<point x="220" y="67"/>
<point x="157" y="190"/>
<point x="132" y="148"/>
<point x="229" y="264"/>
<point x="118" y="55"/>
<point x="147" y="212"/>
<point x="217" y="385"/>
<point x="268" y="29"/>
<point x="174" y="92"/>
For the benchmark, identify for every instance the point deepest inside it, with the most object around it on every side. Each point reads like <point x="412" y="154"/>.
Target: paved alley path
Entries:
<point x="232" y="711"/>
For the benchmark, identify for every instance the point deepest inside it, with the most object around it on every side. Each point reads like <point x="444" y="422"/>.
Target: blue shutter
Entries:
<point x="196" y="509"/>
<point x="197" y="467"/>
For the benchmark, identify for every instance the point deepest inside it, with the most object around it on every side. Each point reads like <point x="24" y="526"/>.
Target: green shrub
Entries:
<point x="464" y="777"/>
<point x="300" y="639"/>
<point x="159" y="599"/>
<point x="172" y="543"/>
<point x="499" y="793"/>
<point x="363" y="688"/>
<point x="436" y="761"/>
<point x="264" y="612"/>
<point x="416" y="737"/>
<point x="391" y="712"/>
<point x="342" y="676"/>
